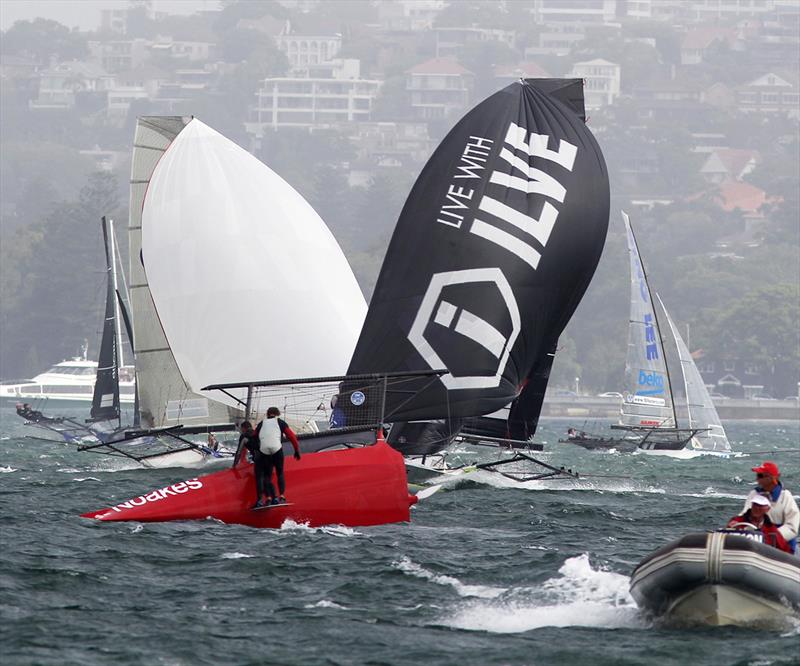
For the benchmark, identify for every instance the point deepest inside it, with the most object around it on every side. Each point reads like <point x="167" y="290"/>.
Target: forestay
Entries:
<point x="247" y="280"/>
<point x="493" y="250"/>
<point x="702" y="413"/>
<point x="648" y="395"/>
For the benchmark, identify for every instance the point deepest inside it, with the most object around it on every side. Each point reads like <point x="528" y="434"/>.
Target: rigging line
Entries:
<point x="764" y="451"/>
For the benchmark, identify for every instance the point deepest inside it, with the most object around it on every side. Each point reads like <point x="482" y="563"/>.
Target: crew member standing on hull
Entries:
<point x="783" y="511"/>
<point x="271" y="430"/>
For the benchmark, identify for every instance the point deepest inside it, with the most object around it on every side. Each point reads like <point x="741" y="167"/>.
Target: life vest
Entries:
<point x="270" y="436"/>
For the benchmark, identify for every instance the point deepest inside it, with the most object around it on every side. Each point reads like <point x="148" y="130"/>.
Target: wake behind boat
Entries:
<point x="720" y="578"/>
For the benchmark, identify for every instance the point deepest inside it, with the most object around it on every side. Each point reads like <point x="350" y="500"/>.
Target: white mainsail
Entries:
<point x="648" y="395"/>
<point x="702" y="413"/>
<point x="247" y="280"/>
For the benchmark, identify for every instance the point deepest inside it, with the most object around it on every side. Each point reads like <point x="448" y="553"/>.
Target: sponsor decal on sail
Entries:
<point x="652" y="381"/>
<point x="446" y="304"/>
<point x="644" y="400"/>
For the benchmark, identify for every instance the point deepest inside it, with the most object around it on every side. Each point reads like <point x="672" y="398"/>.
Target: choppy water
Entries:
<point x="484" y="573"/>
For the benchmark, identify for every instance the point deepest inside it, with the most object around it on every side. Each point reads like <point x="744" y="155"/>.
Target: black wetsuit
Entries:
<point x="270" y="462"/>
<point x="262" y="464"/>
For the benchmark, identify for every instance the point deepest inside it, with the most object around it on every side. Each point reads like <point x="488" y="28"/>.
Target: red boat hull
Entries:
<point x="354" y="487"/>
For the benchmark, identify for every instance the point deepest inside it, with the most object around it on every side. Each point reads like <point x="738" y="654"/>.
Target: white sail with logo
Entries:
<point x="247" y="280"/>
<point x="648" y="395"/>
<point x="702" y="413"/>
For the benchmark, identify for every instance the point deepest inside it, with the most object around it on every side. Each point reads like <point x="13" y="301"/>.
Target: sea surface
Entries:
<point x="486" y="572"/>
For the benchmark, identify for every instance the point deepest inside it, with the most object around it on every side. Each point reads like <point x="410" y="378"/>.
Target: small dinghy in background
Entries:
<point x="718" y="578"/>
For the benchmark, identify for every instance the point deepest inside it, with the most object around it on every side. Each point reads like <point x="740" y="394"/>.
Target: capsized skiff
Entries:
<point x="353" y="487"/>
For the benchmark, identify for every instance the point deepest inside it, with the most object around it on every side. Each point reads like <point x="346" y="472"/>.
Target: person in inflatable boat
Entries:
<point x="757" y="516"/>
<point x="783" y="511"/>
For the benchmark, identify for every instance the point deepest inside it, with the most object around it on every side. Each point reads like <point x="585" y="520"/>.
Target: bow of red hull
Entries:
<point x="354" y="487"/>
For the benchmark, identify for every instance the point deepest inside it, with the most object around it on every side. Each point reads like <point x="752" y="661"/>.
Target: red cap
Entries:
<point x="767" y="467"/>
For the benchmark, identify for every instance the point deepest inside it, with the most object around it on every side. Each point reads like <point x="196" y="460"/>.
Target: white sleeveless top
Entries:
<point x="270" y="436"/>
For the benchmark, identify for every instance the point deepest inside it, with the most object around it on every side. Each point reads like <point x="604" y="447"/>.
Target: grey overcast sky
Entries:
<point x="85" y="14"/>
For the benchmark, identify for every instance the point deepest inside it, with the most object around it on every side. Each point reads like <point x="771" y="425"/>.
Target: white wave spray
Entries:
<point x="580" y="596"/>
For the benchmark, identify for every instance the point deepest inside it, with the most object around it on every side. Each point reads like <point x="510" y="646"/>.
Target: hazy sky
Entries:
<point x="85" y="14"/>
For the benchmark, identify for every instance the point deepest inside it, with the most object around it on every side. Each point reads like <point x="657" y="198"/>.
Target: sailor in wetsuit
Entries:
<point x="248" y="441"/>
<point x="27" y="412"/>
<point x="270" y="431"/>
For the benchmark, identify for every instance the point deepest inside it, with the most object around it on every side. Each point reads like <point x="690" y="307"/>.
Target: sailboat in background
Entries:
<point x="649" y="413"/>
<point x="231" y="274"/>
<point x="105" y="415"/>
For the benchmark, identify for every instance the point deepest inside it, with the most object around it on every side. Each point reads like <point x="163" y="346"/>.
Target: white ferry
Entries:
<point x="68" y="381"/>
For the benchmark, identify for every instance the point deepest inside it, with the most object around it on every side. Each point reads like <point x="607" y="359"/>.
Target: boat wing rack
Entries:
<point x="341" y="400"/>
<point x="140" y="445"/>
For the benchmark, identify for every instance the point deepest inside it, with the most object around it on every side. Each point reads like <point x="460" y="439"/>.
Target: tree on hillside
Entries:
<point x="481" y="58"/>
<point x="393" y="102"/>
<point x="234" y="11"/>
<point x="139" y="24"/>
<point x="42" y="38"/>
<point x="57" y="269"/>
<point x="478" y="13"/>
<point x="762" y="325"/>
<point x="295" y="153"/>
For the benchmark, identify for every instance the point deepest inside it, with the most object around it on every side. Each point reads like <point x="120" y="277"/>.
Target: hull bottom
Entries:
<point x="721" y="605"/>
<point x="353" y="487"/>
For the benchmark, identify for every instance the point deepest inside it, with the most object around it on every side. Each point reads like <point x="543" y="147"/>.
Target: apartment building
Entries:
<point x="602" y="81"/>
<point x="305" y="49"/>
<point x="439" y="88"/>
<point x="60" y="84"/>
<point x="770" y="94"/>
<point x="120" y="55"/>
<point x="314" y="101"/>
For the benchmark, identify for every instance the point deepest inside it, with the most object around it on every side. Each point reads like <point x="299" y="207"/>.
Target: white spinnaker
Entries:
<point x="702" y="413"/>
<point x="248" y="282"/>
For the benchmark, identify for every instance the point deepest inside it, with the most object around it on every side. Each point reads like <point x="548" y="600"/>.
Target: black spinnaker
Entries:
<point x="492" y="253"/>
<point x="105" y="400"/>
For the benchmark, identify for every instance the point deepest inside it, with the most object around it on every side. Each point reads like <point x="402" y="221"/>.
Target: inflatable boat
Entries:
<point x="718" y="578"/>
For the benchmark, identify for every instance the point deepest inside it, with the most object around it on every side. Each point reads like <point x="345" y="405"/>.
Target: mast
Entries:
<point x="657" y="325"/>
<point x="683" y="373"/>
<point x="117" y="328"/>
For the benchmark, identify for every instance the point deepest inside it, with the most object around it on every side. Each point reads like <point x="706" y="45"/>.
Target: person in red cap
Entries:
<point x="783" y="510"/>
<point x="756" y="516"/>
